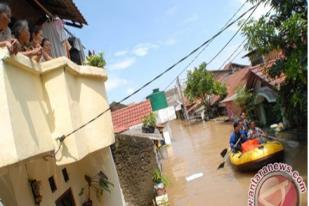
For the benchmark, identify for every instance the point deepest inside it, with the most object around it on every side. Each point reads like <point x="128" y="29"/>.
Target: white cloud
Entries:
<point x="130" y="90"/>
<point x="171" y="11"/>
<point x="120" y="53"/>
<point x="190" y="19"/>
<point x="124" y="64"/>
<point x="142" y="49"/>
<point x="114" y="83"/>
<point x="170" y="41"/>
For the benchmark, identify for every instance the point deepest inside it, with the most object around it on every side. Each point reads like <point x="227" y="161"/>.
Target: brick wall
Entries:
<point x="135" y="160"/>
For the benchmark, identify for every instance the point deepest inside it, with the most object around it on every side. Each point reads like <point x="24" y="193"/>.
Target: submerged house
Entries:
<point x="42" y="102"/>
<point x="196" y="108"/>
<point x="265" y="89"/>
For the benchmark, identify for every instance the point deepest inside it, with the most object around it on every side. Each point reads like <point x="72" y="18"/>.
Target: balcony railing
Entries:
<point x="42" y="101"/>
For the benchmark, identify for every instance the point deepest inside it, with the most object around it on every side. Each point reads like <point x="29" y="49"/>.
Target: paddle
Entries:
<point x="290" y="143"/>
<point x="225" y="154"/>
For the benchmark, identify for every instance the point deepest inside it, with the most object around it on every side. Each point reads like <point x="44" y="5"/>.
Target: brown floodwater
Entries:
<point x="196" y="149"/>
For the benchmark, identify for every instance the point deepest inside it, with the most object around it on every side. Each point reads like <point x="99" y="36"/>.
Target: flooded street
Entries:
<point x="196" y="150"/>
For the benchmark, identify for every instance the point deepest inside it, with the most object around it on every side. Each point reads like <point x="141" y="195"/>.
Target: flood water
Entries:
<point x="196" y="150"/>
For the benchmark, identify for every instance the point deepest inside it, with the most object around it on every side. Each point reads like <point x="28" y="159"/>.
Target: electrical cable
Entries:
<point x="230" y="57"/>
<point x="62" y="138"/>
<point x="238" y="30"/>
<point x="220" y="51"/>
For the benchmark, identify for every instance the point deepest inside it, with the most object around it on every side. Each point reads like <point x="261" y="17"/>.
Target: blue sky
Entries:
<point x="142" y="38"/>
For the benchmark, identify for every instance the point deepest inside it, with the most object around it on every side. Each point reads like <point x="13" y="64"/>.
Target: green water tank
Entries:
<point x="158" y="100"/>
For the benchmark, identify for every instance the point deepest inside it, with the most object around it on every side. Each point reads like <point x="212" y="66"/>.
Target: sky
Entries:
<point x="142" y="38"/>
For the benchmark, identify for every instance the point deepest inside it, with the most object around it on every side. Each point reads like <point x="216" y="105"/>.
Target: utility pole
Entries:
<point x="182" y="98"/>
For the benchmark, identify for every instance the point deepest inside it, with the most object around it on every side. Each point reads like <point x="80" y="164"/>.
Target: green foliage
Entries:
<point x="201" y="84"/>
<point x="150" y="120"/>
<point x="157" y="178"/>
<point x="285" y="29"/>
<point x="99" y="184"/>
<point x="96" y="60"/>
<point x="245" y="100"/>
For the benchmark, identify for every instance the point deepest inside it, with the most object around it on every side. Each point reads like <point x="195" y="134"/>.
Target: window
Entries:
<point x="52" y="184"/>
<point x="65" y="174"/>
<point x="66" y="199"/>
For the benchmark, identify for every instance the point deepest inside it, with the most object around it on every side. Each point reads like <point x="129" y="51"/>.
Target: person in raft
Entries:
<point x="244" y="119"/>
<point x="256" y="132"/>
<point x="236" y="134"/>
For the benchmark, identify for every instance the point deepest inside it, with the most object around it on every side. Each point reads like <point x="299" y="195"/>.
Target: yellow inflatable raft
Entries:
<point x="271" y="151"/>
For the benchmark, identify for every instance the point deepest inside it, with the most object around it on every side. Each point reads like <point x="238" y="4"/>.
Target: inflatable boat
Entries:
<point x="254" y="155"/>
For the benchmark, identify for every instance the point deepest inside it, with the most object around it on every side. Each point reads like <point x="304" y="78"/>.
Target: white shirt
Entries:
<point x="254" y="133"/>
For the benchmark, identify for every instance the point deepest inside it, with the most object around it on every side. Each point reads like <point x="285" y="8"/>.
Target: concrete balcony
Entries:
<point x="42" y="101"/>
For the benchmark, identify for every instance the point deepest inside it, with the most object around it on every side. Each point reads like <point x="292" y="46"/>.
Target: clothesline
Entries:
<point x="72" y="35"/>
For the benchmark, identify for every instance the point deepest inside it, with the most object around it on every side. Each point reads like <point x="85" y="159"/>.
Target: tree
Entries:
<point x="245" y="100"/>
<point x="201" y="85"/>
<point x="285" y="29"/>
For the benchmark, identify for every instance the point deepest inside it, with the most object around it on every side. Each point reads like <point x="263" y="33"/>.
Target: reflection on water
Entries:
<point x="195" y="149"/>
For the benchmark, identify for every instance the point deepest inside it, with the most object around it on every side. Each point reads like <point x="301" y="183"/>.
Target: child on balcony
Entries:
<point x="46" y="52"/>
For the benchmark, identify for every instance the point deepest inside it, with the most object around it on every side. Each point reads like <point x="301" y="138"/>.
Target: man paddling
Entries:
<point x="236" y="134"/>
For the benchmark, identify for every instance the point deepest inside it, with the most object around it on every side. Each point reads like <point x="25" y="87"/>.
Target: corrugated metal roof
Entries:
<point x="30" y="10"/>
<point x="65" y="9"/>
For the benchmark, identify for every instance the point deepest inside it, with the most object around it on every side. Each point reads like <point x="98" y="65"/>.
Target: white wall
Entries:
<point x="40" y="102"/>
<point x="15" y="189"/>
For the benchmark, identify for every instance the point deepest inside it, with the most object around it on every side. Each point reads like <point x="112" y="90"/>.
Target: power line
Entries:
<point x="229" y="58"/>
<point x="188" y="55"/>
<point x="238" y="30"/>
<point x="220" y="51"/>
<point x="188" y="65"/>
<point x="62" y="138"/>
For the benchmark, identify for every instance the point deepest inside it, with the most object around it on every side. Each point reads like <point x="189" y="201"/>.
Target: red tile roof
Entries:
<point x="260" y="71"/>
<point x="235" y="81"/>
<point x="130" y="116"/>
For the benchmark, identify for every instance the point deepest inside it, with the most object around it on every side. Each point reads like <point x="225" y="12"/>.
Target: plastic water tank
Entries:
<point x="158" y="100"/>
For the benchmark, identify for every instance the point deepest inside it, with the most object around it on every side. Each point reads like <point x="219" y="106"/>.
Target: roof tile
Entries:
<point x="130" y="116"/>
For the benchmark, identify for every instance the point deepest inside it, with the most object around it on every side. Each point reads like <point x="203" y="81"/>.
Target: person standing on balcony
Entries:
<point x="36" y="37"/>
<point x="46" y="51"/>
<point x="6" y="39"/>
<point x="22" y="34"/>
<point x="38" y="41"/>
<point x="54" y="30"/>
